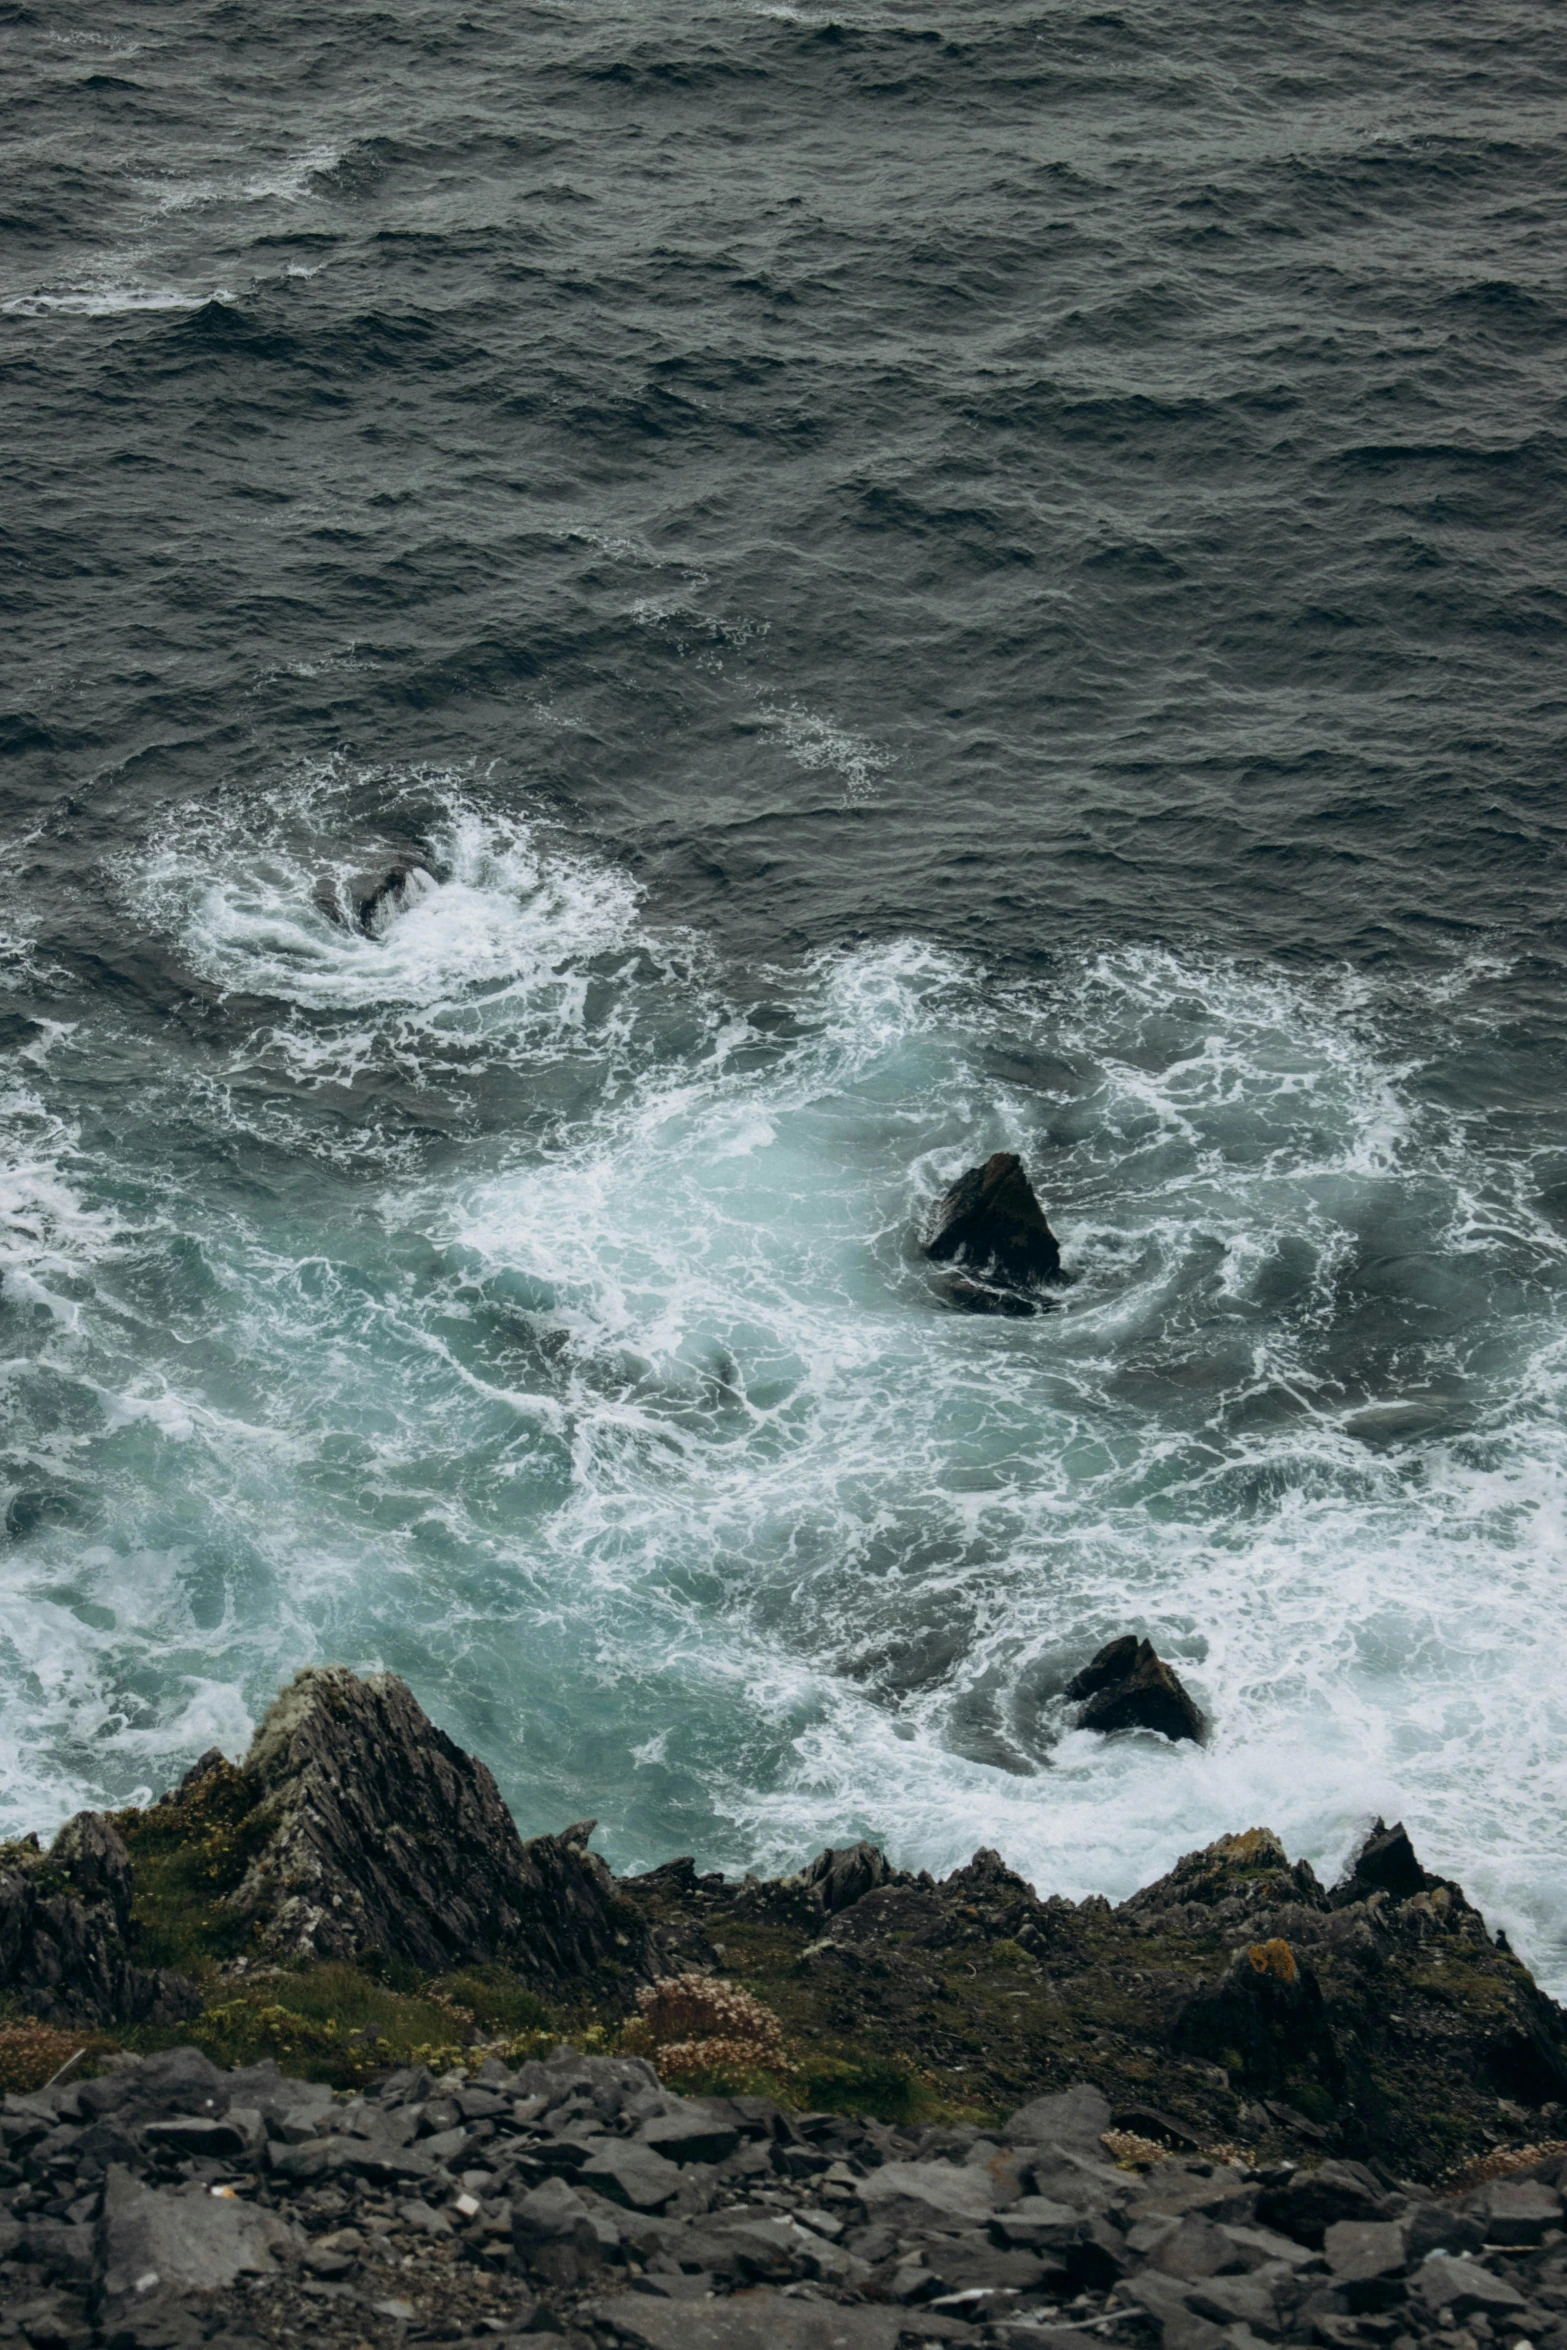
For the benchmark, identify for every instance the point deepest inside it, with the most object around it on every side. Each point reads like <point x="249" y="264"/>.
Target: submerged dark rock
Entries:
<point x="368" y="901"/>
<point x="991" y="1224"/>
<point x="1128" y="1686"/>
<point x="381" y="901"/>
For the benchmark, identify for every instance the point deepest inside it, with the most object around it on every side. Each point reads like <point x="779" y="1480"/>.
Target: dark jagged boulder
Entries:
<point x="368" y="901"/>
<point x="1268" y="2010"/>
<point x="837" y="1878"/>
<point x="380" y="902"/>
<point x="66" y="1933"/>
<point x="1127" y="1686"/>
<point x="991" y="1225"/>
<point x="1307" y="2205"/>
<point x="1385" y="1863"/>
<point x="371" y="1830"/>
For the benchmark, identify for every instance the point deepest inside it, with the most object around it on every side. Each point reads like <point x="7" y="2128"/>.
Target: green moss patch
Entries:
<point x="188" y="1852"/>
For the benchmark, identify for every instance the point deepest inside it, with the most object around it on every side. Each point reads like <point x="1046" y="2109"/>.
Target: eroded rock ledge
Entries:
<point x="1237" y="2001"/>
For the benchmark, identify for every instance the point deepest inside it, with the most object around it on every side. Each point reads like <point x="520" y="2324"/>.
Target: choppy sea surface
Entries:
<point x="924" y="579"/>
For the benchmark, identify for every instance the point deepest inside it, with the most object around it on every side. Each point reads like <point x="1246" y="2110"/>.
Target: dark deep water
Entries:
<point x="925" y="579"/>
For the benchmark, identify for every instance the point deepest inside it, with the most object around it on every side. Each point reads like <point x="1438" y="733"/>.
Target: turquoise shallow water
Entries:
<point x="527" y="1300"/>
<point x="923" y="580"/>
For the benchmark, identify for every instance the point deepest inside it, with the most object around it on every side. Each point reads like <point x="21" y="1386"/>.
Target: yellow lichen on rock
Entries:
<point x="1274" y="1958"/>
<point x="1252" y="1848"/>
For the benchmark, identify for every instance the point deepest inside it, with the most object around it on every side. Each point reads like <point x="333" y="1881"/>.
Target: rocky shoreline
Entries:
<point x="166" y="2204"/>
<point x="849" y="2105"/>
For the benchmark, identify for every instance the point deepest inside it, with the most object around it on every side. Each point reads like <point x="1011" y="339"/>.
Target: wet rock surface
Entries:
<point x="168" y="2203"/>
<point x="1127" y="1686"/>
<point x="991" y="1227"/>
<point x="379" y="900"/>
<point x="371" y="900"/>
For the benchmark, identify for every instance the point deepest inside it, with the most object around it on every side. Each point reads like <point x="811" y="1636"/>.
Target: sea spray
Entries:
<point x="618" y="1410"/>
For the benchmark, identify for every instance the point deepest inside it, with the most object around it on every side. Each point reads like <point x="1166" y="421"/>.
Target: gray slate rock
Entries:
<point x="1037" y="2223"/>
<point x="1518" y="2211"/>
<point x="1360" y="2250"/>
<point x="65" y="2253"/>
<point x="690" y="2136"/>
<point x="177" y="2081"/>
<point x="1440" y="2227"/>
<point x="192" y="2133"/>
<point x="761" y="2320"/>
<point x="1193" y="2247"/>
<point x="633" y="2175"/>
<point x="972" y="2263"/>
<point x="1315" y="2199"/>
<point x="1165" y="2300"/>
<point x="316" y="2159"/>
<point x="1464" y="2287"/>
<point x="556" y="2235"/>
<point x="908" y="2196"/>
<point x="1249" y="2300"/>
<point x="1077" y="2117"/>
<point x="757" y="2248"/>
<point x="194" y="2242"/>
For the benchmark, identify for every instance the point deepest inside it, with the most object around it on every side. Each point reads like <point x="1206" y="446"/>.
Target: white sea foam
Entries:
<point x="505" y="914"/>
<point x="51" y="1239"/>
<point x="111" y="297"/>
<point x="816" y="743"/>
<point x="286" y="180"/>
<point x="492" y="956"/>
<point x="766" y="1395"/>
<point x="643" y="1440"/>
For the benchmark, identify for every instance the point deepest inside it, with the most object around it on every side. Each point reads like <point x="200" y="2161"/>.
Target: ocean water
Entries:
<point x="921" y="580"/>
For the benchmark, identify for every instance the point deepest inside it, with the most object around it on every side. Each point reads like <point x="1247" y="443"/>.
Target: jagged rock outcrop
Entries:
<point x="66" y="1938"/>
<point x="1385" y="1863"/>
<point x="1234" y="2001"/>
<point x="844" y="1874"/>
<point x="353" y="1828"/>
<point x="1127" y="1686"/>
<point x="371" y="1830"/>
<point x="1235" y="1997"/>
<point x="991" y="1226"/>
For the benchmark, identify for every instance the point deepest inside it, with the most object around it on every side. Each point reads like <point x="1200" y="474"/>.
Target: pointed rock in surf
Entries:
<point x="991" y="1224"/>
<point x="1385" y="1863"/>
<point x="369" y="901"/>
<point x="380" y="902"/>
<point x="1127" y="1686"/>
